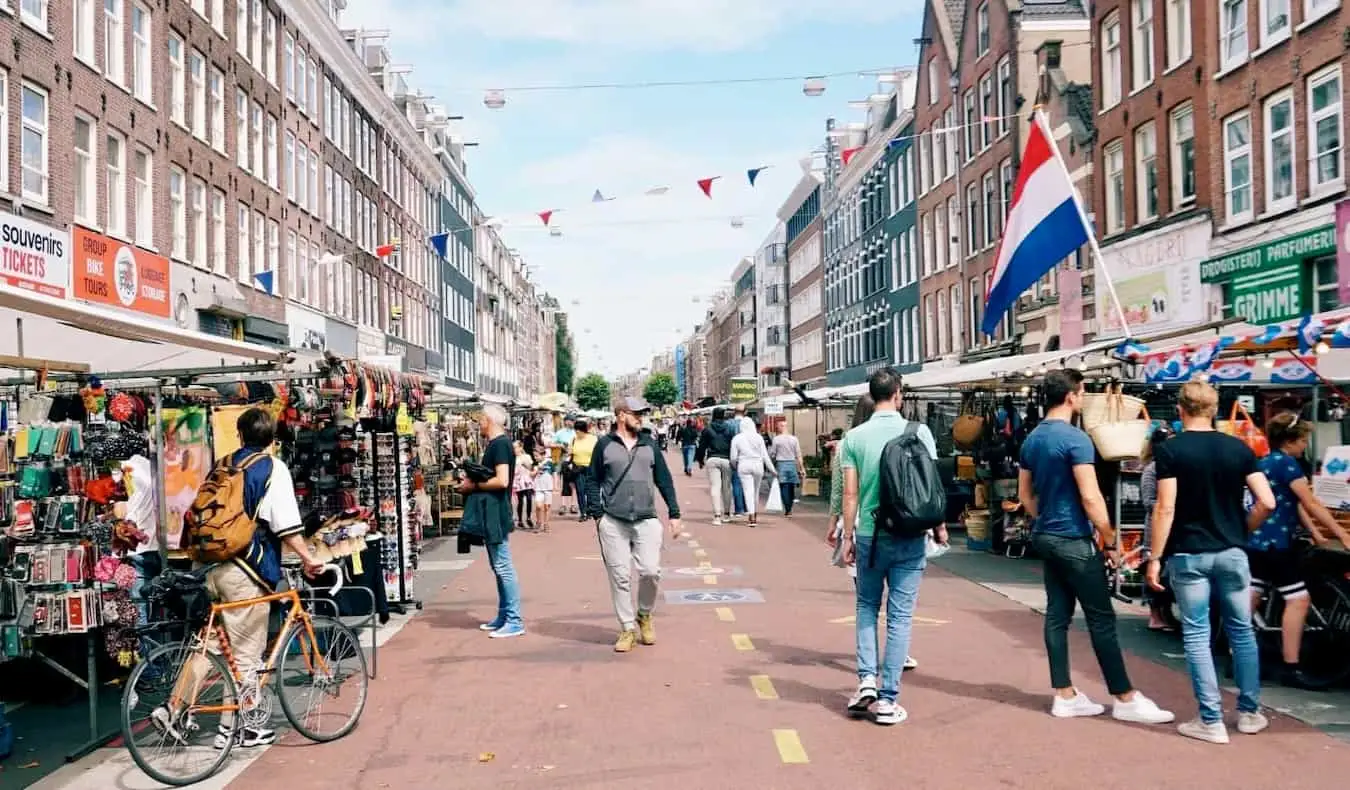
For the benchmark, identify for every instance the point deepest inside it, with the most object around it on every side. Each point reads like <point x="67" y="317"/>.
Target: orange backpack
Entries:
<point x="219" y="526"/>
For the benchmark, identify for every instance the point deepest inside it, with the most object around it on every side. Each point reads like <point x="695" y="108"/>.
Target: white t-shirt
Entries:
<point x="143" y="501"/>
<point x="278" y="506"/>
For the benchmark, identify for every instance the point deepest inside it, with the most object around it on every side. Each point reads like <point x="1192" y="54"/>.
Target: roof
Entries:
<point x="956" y="16"/>
<point x="1051" y="9"/>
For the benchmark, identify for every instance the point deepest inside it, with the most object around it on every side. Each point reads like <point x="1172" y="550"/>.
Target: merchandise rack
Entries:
<point x="395" y="513"/>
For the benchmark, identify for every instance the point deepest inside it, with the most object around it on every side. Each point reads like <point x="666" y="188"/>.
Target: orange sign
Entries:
<point x="112" y="272"/>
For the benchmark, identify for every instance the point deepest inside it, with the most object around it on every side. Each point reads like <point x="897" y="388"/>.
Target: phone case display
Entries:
<point x="387" y="473"/>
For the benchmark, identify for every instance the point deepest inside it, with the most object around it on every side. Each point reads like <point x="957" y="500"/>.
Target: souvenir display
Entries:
<point x="386" y="465"/>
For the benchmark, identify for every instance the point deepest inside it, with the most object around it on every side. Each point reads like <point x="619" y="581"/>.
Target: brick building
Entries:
<point x="800" y="213"/>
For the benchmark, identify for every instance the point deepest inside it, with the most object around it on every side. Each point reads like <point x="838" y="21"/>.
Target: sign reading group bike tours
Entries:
<point x="111" y="272"/>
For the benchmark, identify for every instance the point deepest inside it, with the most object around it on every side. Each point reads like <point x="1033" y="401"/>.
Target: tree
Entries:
<point x="562" y="347"/>
<point x="592" y="392"/>
<point x="660" y="390"/>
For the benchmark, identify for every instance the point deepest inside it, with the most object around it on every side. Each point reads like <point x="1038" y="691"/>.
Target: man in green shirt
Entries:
<point x="898" y="563"/>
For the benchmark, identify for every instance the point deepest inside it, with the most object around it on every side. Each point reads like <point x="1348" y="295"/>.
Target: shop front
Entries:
<point x="306" y="329"/>
<point x="115" y="274"/>
<point x="33" y="256"/>
<point x="369" y="343"/>
<point x="398" y="350"/>
<point x="417" y="359"/>
<point x="1283" y="277"/>
<point x="1157" y="276"/>
<point x="341" y="338"/>
<point x="436" y="366"/>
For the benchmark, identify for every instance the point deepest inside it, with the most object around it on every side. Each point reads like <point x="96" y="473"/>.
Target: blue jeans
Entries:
<point x="898" y="568"/>
<point x="508" y="589"/>
<point x="688" y="451"/>
<point x="738" y="494"/>
<point x="1227" y="576"/>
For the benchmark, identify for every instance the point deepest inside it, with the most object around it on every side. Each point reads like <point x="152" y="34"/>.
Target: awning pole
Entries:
<point x="161" y="495"/>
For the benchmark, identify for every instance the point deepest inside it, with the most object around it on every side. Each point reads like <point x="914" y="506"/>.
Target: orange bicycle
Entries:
<point x="177" y="688"/>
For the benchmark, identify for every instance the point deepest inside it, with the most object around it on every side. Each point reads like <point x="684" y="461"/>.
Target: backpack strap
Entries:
<point x="911" y="429"/>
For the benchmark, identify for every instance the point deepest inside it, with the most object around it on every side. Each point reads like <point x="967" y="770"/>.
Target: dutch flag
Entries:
<point x="1045" y="225"/>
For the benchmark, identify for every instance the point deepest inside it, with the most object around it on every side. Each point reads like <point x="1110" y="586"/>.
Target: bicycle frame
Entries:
<point x="295" y="614"/>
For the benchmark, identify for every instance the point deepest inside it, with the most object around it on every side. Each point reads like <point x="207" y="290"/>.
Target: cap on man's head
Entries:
<point x="632" y="405"/>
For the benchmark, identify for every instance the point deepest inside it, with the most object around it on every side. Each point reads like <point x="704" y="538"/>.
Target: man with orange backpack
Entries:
<point x="244" y="512"/>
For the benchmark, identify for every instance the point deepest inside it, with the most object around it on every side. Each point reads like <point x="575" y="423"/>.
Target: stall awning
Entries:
<point x="113" y="340"/>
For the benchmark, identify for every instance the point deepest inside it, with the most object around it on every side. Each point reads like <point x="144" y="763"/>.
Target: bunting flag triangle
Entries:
<point x="266" y="280"/>
<point x="385" y="250"/>
<point x="546" y="216"/>
<point x="658" y="190"/>
<point x="753" y="173"/>
<point x="599" y="197"/>
<point x="705" y="184"/>
<point x="848" y="153"/>
<point x="441" y="242"/>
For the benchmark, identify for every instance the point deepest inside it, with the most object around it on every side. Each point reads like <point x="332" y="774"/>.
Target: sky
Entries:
<point x="635" y="273"/>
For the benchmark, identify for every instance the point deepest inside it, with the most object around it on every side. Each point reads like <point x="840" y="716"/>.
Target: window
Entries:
<point x="982" y="29"/>
<point x="33" y="13"/>
<point x="274" y="250"/>
<point x="943" y="326"/>
<point x="1114" y="155"/>
<point x="270" y="155"/>
<point x="178" y="212"/>
<point x="312" y="92"/>
<point x="935" y="87"/>
<point x="313" y="189"/>
<point x="972" y="219"/>
<point x="941" y="235"/>
<point x="1111" y="84"/>
<point x="270" y="48"/>
<point x="987" y="111"/>
<point x="926" y="231"/>
<point x="941" y="141"/>
<point x="301" y="175"/>
<point x="301" y="77"/>
<point x="86" y="173"/>
<point x="218" y="16"/>
<point x="1146" y="172"/>
<point x="217" y="231"/>
<point x="1005" y="175"/>
<point x="288" y="166"/>
<point x="199" y="223"/>
<point x="1232" y="33"/>
<point x="1141" y="44"/>
<point x="992" y="215"/>
<point x="953" y="223"/>
<point x="1183" y="155"/>
<point x="949" y="138"/>
<point x="1275" y="22"/>
<point x="259" y="170"/>
<point x="83" y="33"/>
<point x="141" y="81"/>
<point x="1280" y="178"/>
<point x="292" y="268"/>
<point x="259" y="245"/>
<point x="241" y="129"/>
<point x="241" y="28"/>
<point x="115" y="155"/>
<point x="143" y="197"/>
<point x="954" y="312"/>
<point x="975" y="298"/>
<point x="1325" y="129"/>
<point x="177" y="82"/>
<point x="114" y="44"/>
<point x="255" y="33"/>
<point x="970" y="123"/>
<point x="1005" y="94"/>
<point x="33" y="148"/>
<point x="1237" y="158"/>
<point x="1178" y="30"/>
<point x="217" y="100"/>
<point x="197" y="89"/>
<point x="245" y="269"/>
<point x="288" y="66"/>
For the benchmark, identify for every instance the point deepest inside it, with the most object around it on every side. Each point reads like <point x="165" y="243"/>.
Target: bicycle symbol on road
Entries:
<point x="713" y="596"/>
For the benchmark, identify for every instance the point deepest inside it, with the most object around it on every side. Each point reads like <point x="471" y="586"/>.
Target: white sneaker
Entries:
<point x="1141" y="710"/>
<point x="1075" y="706"/>
<point x="863" y="698"/>
<point x="889" y="713"/>
<point x="717" y="521"/>
<point x="1252" y="723"/>
<point x="911" y="663"/>
<point x="1197" y="729"/>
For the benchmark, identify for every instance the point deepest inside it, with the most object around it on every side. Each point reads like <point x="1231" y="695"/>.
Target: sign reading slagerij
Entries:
<point x="34" y="256"/>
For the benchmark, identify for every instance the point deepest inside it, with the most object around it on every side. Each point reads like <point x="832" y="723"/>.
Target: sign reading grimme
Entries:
<point x="34" y="256"/>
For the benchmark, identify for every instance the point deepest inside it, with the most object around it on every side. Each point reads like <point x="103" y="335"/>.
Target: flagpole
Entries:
<point x="1039" y="117"/>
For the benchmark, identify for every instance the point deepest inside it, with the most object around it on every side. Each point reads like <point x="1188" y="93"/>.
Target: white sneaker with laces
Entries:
<point x="1252" y="723"/>
<point x="890" y="713"/>
<point x="911" y="663"/>
<point x="1197" y="729"/>
<point x="717" y="521"/>
<point x="1075" y="706"/>
<point x="863" y="698"/>
<point x="1141" y="710"/>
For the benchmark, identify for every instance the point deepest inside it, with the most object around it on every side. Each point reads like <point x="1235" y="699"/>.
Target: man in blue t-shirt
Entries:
<point x="1058" y="487"/>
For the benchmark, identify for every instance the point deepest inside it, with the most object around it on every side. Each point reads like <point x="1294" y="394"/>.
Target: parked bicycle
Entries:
<point x="184" y="701"/>
<point x="1325" y="654"/>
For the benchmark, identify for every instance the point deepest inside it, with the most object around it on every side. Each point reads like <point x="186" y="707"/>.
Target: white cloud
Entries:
<point x="640" y="25"/>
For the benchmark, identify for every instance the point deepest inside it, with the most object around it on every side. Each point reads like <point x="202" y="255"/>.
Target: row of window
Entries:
<point x="951" y="325"/>
<point x="987" y="204"/>
<point x="986" y="112"/>
<point x="859" y="340"/>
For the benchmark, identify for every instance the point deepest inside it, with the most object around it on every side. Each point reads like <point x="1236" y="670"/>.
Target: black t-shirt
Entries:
<point x="1211" y="471"/>
<point x="499" y="451"/>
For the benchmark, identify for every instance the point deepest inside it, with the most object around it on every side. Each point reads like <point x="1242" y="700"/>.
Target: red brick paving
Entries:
<point x="559" y="709"/>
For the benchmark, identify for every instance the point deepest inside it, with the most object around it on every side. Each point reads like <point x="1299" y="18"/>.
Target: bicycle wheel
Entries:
<point x="329" y="668"/>
<point x="1325" y="655"/>
<point x="178" y="744"/>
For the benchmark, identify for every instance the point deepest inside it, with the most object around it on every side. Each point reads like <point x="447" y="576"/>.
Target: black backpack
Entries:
<point x="912" y="499"/>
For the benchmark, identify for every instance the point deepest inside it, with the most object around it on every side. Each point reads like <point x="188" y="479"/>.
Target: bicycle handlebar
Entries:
<point x="337" y="574"/>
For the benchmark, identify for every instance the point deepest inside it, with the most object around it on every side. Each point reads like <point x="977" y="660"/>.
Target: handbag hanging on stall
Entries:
<point x="1122" y="434"/>
<point x="969" y="425"/>
<point x="1241" y="425"/>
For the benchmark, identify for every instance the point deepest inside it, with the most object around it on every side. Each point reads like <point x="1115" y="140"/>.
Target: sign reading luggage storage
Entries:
<point x="33" y="256"/>
<point x="111" y="272"/>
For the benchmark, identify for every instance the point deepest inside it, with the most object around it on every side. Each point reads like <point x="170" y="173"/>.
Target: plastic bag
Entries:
<point x="775" y="502"/>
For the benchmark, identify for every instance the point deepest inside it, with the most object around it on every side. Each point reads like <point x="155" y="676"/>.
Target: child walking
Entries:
<point x="524" y="487"/>
<point x="543" y="492"/>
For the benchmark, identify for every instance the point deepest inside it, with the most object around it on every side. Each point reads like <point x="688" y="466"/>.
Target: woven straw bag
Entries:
<point x="1096" y="404"/>
<point x="1118" y="437"/>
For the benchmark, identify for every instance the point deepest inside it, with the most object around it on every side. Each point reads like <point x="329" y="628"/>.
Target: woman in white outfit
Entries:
<point x="749" y="457"/>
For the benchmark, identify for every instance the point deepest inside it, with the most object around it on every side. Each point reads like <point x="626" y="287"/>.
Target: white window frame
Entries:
<point x="982" y="30"/>
<point x="114" y="45"/>
<point x="115" y="185"/>
<point x="197" y="89"/>
<point x="940" y="236"/>
<point x="256" y="115"/>
<point x="288" y="165"/>
<point x="259" y="247"/>
<point x="288" y="65"/>
<point x="1178" y="31"/>
<point x="1112" y="66"/>
<point x="1316" y="184"/>
<point x="988" y="198"/>
<point x="988" y="106"/>
<point x="216" y="101"/>
<point x="33" y="13"/>
<point x="255" y="32"/>
<point x="953" y="237"/>
<point x="41" y="128"/>
<point x="1114" y="153"/>
<point x="292" y="265"/>
<point x="218" y="231"/>
<point x="270" y="26"/>
<point x="178" y="80"/>
<point x="1276" y="20"/>
<point x="197" y="211"/>
<point x="274" y="251"/>
<point x="1234" y="46"/>
<point x="1268" y="137"/>
<point x="178" y="186"/>
<point x="934" y="88"/>
<point x="969" y="122"/>
<point x="1144" y="155"/>
<point x="241" y="155"/>
<point x="1231" y="155"/>
<point x="1004" y="78"/>
<point x="218" y="17"/>
<point x="143" y="196"/>
<point x="241" y="28"/>
<point x="142" y="59"/>
<point x="243" y="222"/>
<point x="86" y="171"/>
<point x="82" y="32"/>
<point x="1141" y="43"/>
<point x="1175" y="156"/>
<point x="271" y="153"/>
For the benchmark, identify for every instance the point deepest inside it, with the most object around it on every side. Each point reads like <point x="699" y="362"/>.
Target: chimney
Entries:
<point x="1047" y="58"/>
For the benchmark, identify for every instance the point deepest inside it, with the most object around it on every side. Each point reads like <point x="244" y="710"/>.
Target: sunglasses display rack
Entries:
<point x="385" y="466"/>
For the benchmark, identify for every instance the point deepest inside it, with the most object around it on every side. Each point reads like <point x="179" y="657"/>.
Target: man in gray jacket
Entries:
<point x="625" y="468"/>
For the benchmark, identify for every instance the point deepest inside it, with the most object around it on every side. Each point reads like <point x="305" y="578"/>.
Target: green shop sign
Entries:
<point x="1290" y="250"/>
<point x="744" y="390"/>
<point x="1269" y="297"/>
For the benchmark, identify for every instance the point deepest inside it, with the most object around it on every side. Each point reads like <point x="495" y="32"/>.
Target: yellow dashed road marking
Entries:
<point x="742" y="642"/>
<point x="725" y="614"/>
<point x="790" y="748"/>
<point x="589" y="557"/>
<point x="851" y="619"/>
<point x="704" y="564"/>
<point x="710" y="580"/>
<point x="700" y="553"/>
<point x="763" y="687"/>
<point x="693" y="544"/>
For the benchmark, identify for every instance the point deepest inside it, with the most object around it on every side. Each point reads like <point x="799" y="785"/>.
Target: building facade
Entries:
<point x="771" y="318"/>
<point x="800" y="214"/>
<point x="902" y="235"/>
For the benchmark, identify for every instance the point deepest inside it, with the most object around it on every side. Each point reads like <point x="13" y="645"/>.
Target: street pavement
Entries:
<point x="746" y="687"/>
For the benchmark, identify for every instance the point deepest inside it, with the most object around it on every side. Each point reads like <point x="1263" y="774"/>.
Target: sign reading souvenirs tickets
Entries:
<point x="744" y="390"/>
<point x="33" y="256"/>
<point x="110" y="272"/>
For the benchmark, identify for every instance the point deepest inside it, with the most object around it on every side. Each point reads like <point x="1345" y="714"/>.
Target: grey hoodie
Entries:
<point x="633" y="498"/>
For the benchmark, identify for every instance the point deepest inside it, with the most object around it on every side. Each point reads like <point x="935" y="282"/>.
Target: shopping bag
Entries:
<point x="775" y="503"/>
<point x="1241" y="425"/>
